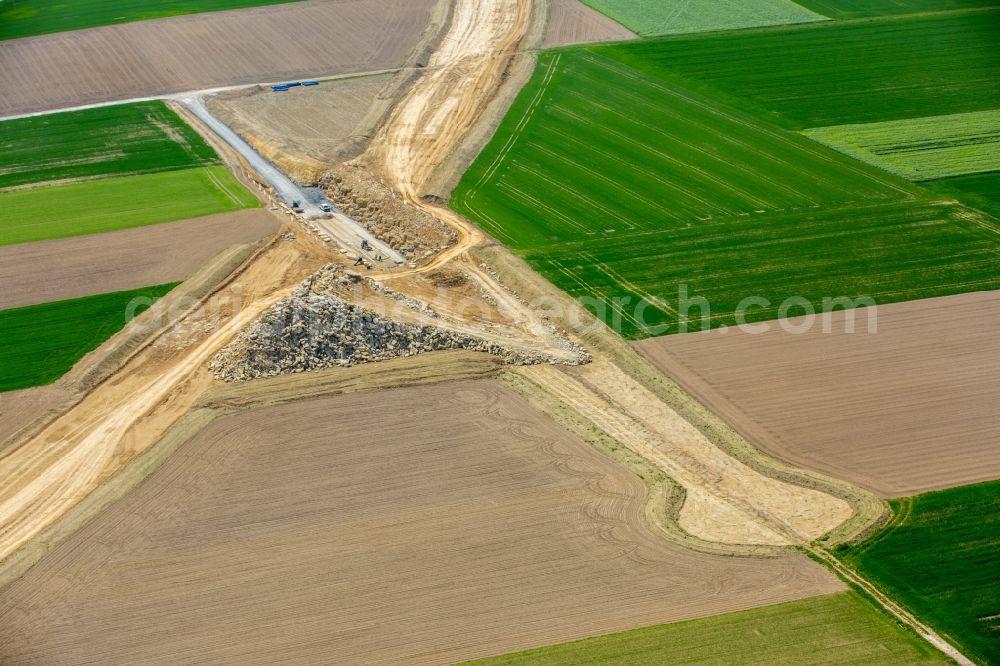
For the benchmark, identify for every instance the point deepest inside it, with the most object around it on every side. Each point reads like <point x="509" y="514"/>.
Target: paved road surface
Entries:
<point x="344" y="230"/>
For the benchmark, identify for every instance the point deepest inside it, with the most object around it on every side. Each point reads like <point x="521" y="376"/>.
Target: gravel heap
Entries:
<point x="314" y="328"/>
<point x="407" y="229"/>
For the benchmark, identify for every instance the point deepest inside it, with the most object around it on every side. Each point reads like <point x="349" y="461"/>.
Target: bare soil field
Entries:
<point x="305" y="130"/>
<point x="317" y="38"/>
<point x="908" y="409"/>
<point x="416" y="525"/>
<point x="572" y="22"/>
<point x="129" y="259"/>
<point x="19" y="409"/>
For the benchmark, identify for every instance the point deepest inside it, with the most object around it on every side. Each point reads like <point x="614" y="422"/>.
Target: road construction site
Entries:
<point x="704" y="491"/>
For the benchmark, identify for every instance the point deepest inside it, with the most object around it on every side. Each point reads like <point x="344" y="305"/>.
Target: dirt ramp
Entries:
<point x="423" y="525"/>
<point x="322" y="37"/>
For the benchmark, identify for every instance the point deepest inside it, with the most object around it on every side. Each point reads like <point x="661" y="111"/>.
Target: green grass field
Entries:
<point x="42" y="342"/>
<point x="832" y="73"/>
<point x="922" y="148"/>
<point x="97" y="206"/>
<point x="655" y="17"/>
<point x="25" y="18"/>
<point x="980" y="191"/>
<point x="618" y="183"/>
<point x="941" y="558"/>
<point x="835" y="629"/>
<point x="107" y="141"/>
<point x="847" y="9"/>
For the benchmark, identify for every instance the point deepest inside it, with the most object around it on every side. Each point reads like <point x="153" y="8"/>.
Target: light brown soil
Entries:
<point x="50" y="473"/>
<point x="119" y="260"/>
<point x="908" y="409"/>
<point x="316" y="38"/>
<point x="19" y="409"/>
<point x="418" y="525"/>
<point x="572" y="22"/>
<point x="307" y="129"/>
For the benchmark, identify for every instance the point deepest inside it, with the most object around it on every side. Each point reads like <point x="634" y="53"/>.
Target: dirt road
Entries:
<point x="49" y="473"/>
<point x="727" y="502"/>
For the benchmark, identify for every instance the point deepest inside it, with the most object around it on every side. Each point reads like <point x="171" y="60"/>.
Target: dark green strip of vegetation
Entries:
<point x="836" y="73"/>
<point x="26" y="18"/>
<point x="940" y="557"/>
<point x="848" y="9"/>
<point x="40" y="343"/>
<point x="117" y="140"/>
<point x="980" y="191"/>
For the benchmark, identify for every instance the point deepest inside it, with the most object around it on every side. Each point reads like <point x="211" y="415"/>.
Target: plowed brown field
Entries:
<point x="416" y="525"/>
<point x="19" y="409"/>
<point x="572" y="22"/>
<point x="321" y="37"/>
<point x="908" y="409"/>
<point x="74" y="267"/>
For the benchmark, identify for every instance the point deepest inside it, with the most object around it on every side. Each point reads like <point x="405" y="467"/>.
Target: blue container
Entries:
<point x="310" y="83"/>
<point x="293" y="83"/>
<point x="279" y="88"/>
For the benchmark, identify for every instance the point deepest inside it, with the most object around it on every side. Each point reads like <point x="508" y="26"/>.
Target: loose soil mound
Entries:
<point x="908" y="409"/>
<point x="202" y="51"/>
<point x="571" y="22"/>
<point x="416" y="525"/>
<point x="72" y="267"/>
<point x="305" y="130"/>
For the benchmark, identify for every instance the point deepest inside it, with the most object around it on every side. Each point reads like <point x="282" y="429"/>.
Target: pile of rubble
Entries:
<point x="412" y="232"/>
<point x="315" y="328"/>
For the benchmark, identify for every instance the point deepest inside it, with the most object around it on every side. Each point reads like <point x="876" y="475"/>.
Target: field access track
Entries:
<point x="428" y="524"/>
<point x="908" y="409"/>
<point x="183" y="53"/>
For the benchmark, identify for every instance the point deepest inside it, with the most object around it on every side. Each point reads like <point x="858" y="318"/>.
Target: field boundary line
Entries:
<point x="525" y="119"/>
<point x="895" y="609"/>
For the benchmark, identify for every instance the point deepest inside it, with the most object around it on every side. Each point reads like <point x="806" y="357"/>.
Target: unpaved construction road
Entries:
<point x="52" y="471"/>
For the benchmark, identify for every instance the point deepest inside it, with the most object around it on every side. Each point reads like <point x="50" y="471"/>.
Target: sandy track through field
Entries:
<point x="727" y="502"/>
<point x="51" y="472"/>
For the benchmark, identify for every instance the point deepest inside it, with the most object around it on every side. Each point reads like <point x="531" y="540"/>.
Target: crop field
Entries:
<point x="940" y="557"/>
<point x="922" y="148"/>
<point x="832" y="73"/>
<point x="42" y="342"/>
<point x="97" y="206"/>
<point x="108" y="141"/>
<point x="847" y="9"/>
<point x="896" y="411"/>
<point x="572" y="22"/>
<point x="145" y="59"/>
<point x="655" y="17"/>
<point x="694" y="194"/>
<point x="835" y="629"/>
<point x="980" y="191"/>
<point x="295" y="527"/>
<point x="65" y="268"/>
<point x="24" y="18"/>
